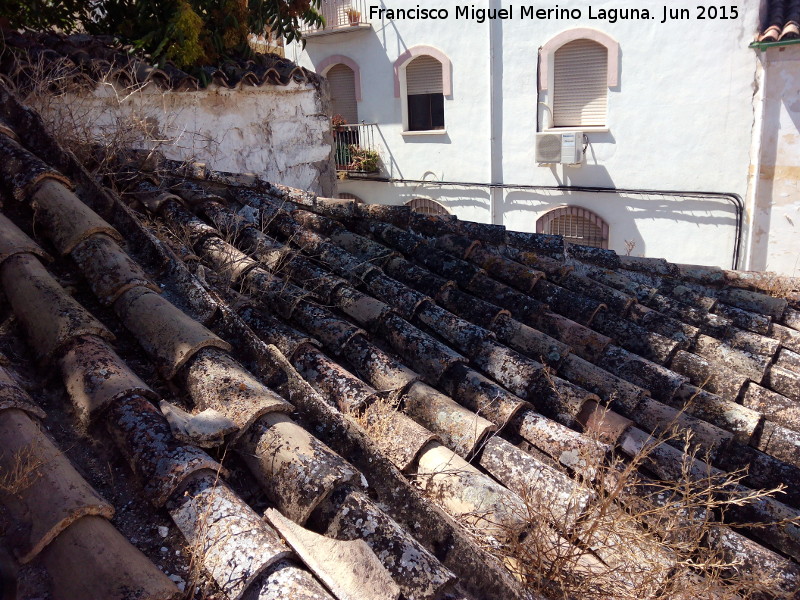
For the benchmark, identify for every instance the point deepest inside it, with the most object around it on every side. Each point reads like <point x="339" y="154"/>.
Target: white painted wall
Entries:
<point x="280" y="133"/>
<point x="681" y="118"/>
<point x="775" y="244"/>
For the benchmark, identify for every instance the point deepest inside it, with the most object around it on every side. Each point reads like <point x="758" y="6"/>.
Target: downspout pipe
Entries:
<point x="495" y="116"/>
<point x="734" y="199"/>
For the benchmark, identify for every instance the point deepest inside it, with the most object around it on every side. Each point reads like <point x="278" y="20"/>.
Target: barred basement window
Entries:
<point x="349" y="196"/>
<point x="577" y="225"/>
<point x="427" y="207"/>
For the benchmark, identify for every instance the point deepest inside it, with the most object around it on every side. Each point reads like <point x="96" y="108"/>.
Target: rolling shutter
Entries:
<point x="342" y="82"/>
<point x="424" y="76"/>
<point x="581" y="84"/>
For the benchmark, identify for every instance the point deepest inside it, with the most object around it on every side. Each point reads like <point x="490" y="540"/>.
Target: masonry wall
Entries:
<point x="280" y="133"/>
<point x="680" y="119"/>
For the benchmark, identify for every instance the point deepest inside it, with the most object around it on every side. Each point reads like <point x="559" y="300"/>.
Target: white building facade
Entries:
<point x="665" y="99"/>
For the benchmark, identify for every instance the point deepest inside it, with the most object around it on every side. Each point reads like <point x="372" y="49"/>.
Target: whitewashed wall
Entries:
<point x="775" y="244"/>
<point x="280" y="133"/>
<point x="681" y="118"/>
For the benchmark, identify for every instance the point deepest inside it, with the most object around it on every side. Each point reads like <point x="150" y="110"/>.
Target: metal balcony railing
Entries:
<point x="355" y="148"/>
<point x="339" y="15"/>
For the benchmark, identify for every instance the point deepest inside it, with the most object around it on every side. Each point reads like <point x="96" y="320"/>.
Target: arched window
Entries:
<point x="422" y="80"/>
<point x="342" y="83"/>
<point x="424" y="94"/>
<point x="576" y="224"/>
<point x="577" y="68"/>
<point x="427" y="207"/>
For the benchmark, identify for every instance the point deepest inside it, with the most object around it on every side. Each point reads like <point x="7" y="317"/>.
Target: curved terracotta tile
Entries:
<point x="206" y="428"/>
<point x="95" y="376"/>
<point x="468" y="494"/>
<point x="745" y="319"/>
<point x="14" y="241"/>
<point x="108" y="269"/>
<point x="49" y="316"/>
<point x="346" y="391"/>
<point x="91" y="560"/>
<point x="13" y="396"/>
<point x="754" y="366"/>
<point x="791" y="318"/>
<point x="215" y="380"/>
<point x="429" y="357"/>
<point x="348" y="568"/>
<point x="712" y="377"/>
<point x="754" y="302"/>
<point x="65" y="217"/>
<point x="574" y="450"/>
<point x="601" y="423"/>
<point x="353" y="515"/>
<point x="7" y="130"/>
<point x="51" y="495"/>
<point x="164" y="331"/>
<point x="460" y="429"/>
<point x="788" y="337"/>
<point x="235" y="546"/>
<point x="774" y="406"/>
<point x="482" y="395"/>
<point x="160" y="461"/>
<point x="523" y="473"/>
<point x="372" y="364"/>
<point x="24" y="171"/>
<point x="296" y="470"/>
<point x="583" y="341"/>
<point x="658" y="418"/>
<point x="733" y="417"/>
<point x="784" y="382"/>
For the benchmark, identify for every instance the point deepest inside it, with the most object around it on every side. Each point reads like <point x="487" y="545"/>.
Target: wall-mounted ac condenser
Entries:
<point x="565" y="148"/>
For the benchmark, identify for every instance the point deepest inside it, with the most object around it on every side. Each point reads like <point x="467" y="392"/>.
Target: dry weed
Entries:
<point x="25" y="470"/>
<point x="637" y="539"/>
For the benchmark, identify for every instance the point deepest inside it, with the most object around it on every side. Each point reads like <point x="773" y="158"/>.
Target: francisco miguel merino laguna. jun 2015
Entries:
<point x="610" y="15"/>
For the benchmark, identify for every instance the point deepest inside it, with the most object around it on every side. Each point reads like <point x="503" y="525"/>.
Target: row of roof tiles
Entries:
<point x="782" y="21"/>
<point x="86" y="60"/>
<point x="300" y="473"/>
<point x="482" y="333"/>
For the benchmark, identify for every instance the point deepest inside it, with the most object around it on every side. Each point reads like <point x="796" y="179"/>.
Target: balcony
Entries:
<point x="341" y="16"/>
<point x="355" y="149"/>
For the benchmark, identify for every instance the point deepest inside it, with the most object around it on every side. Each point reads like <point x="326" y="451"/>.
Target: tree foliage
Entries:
<point x="186" y="32"/>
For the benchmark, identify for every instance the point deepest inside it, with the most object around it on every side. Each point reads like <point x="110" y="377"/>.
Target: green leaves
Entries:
<point x="191" y="33"/>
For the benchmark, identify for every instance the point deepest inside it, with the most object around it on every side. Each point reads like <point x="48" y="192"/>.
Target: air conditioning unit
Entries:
<point x="559" y="148"/>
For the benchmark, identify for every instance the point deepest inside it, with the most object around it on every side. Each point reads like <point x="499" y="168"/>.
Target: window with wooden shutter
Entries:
<point x="577" y="225"/>
<point x="342" y="83"/>
<point x="424" y="92"/>
<point x="580" y="86"/>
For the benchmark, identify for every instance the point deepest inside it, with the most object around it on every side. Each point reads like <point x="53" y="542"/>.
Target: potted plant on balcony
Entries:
<point x="354" y="16"/>
<point x="363" y="160"/>
<point x="337" y="123"/>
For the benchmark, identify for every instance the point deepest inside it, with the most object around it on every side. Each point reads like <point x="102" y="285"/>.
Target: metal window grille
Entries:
<point x="427" y="207"/>
<point x="577" y="226"/>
